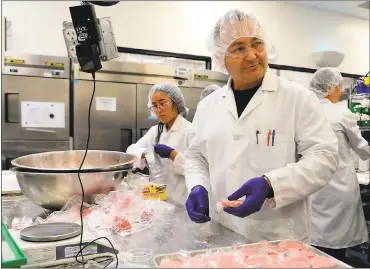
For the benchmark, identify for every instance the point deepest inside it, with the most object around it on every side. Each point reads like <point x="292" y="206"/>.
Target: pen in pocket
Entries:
<point x="268" y="137"/>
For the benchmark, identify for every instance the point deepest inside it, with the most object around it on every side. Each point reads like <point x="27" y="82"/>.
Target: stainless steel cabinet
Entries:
<point x="110" y="130"/>
<point x="35" y="105"/>
<point x="18" y="89"/>
<point x="144" y="122"/>
<point x="12" y="149"/>
<point x="192" y="98"/>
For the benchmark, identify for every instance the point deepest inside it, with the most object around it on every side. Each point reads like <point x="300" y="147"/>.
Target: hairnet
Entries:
<point x="208" y="90"/>
<point x="324" y="81"/>
<point x="173" y="92"/>
<point x="231" y="26"/>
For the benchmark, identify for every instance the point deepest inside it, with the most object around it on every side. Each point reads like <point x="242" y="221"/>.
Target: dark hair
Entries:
<point x="159" y="132"/>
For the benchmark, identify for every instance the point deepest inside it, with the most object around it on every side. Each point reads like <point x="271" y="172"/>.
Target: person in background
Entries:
<point x="260" y="138"/>
<point x="338" y="220"/>
<point x="208" y="90"/>
<point x="170" y="137"/>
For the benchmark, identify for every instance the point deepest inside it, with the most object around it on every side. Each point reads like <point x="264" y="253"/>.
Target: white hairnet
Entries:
<point x="208" y="90"/>
<point x="173" y="92"/>
<point x="231" y="26"/>
<point x="324" y="81"/>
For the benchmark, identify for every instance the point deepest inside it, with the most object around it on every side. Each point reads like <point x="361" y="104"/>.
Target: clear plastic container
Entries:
<point x="155" y="165"/>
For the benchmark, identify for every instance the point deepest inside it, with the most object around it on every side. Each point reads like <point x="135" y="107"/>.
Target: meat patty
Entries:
<point x="289" y="244"/>
<point x="322" y="262"/>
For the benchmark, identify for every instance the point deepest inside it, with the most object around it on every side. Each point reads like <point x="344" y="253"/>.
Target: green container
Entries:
<point x="366" y="110"/>
<point x="357" y="109"/>
<point x="365" y="123"/>
<point x="11" y="256"/>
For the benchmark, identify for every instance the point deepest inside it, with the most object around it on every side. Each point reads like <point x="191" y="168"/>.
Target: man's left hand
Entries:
<point x="255" y="191"/>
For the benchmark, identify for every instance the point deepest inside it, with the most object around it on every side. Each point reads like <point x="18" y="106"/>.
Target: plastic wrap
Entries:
<point x="120" y="213"/>
<point x="19" y="211"/>
<point x="286" y="254"/>
<point x="19" y="223"/>
<point x="155" y="165"/>
<point x="226" y="203"/>
<point x="69" y="213"/>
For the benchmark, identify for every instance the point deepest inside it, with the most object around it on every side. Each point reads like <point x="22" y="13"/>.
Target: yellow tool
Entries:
<point x="367" y="81"/>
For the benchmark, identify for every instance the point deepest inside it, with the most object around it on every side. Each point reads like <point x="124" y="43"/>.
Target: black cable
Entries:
<point x="82" y="187"/>
<point x="102" y="3"/>
<point x="159" y="132"/>
<point x="115" y="252"/>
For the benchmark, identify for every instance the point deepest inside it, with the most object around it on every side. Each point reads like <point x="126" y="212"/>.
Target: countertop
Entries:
<point x="176" y="233"/>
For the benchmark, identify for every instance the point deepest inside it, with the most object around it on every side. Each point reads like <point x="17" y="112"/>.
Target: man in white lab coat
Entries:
<point x="260" y="138"/>
<point x="338" y="220"/>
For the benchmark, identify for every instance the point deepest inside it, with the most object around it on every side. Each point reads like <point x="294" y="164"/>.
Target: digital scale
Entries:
<point x="61" y="252"/>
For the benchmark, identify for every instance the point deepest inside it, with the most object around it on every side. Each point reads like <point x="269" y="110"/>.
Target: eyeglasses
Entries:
<point x="241" y="50"/>
<point x="161" y="106"/>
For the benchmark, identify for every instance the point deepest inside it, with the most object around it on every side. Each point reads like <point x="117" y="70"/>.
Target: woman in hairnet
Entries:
<point x="208" y="90"/>
<point x="170" y="137"/>
<point x="337" y="216"/>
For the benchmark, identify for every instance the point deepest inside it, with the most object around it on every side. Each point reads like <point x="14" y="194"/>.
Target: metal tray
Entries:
<point x="157" y="259"/>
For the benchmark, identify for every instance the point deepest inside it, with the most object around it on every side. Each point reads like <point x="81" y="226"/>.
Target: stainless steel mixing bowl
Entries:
<point x="50" y="179"/>
<point x="53" y="190"/>
<point x="70" y="161"/>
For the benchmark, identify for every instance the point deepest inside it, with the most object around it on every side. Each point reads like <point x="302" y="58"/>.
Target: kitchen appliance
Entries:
<point x="63" y="252"/>
<point x="35" y="105"/>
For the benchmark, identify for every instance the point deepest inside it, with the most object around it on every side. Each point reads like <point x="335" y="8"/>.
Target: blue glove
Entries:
<point x="197" y="205"/>
<point x="163" y="150"/>
<point x="255" y="191"/>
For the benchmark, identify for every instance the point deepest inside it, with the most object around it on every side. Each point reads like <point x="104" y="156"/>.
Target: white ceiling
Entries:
<point x="350" y="8"/>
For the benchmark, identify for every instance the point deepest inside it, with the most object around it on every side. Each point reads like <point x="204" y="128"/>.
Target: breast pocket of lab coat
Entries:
<point x="267" y="155"/>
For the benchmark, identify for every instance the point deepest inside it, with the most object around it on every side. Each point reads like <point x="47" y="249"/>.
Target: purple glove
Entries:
<point x="255" y="191"/>
<point x="163" y="150"/>
<point x="197" y="205"/>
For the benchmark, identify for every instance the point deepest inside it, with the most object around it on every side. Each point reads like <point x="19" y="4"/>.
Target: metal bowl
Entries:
<point x="70" y="161"/>
<point x="53" y="190"/>
<point x="50" y="179"/>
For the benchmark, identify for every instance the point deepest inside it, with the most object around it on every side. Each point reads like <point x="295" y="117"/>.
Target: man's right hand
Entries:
<point x="197" y="205"/>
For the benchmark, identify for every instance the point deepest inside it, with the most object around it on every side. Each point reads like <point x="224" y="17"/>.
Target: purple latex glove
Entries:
<point x="197" y="205"/>
<point x="163" y="150"/>
<point x="255" y="191"/>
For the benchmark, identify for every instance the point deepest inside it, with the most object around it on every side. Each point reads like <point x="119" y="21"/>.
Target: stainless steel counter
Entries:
<point x="176" y="233"/>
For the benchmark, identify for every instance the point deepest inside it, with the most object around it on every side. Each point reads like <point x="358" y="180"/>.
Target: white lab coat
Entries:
<point x="224" y="154"/>
<point x="337" y="216"/>
<point x="178" y="137"/>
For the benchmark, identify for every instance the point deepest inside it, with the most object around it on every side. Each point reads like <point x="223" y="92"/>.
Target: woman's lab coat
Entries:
<point x="337" y="216"/>
<point x="225" y="153"/>
<point x="178" y="138"/>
